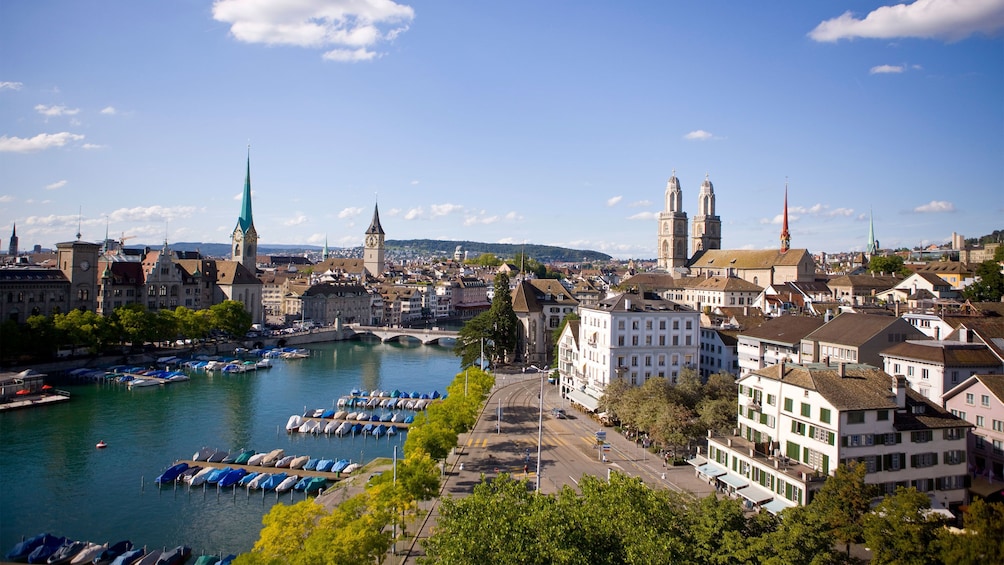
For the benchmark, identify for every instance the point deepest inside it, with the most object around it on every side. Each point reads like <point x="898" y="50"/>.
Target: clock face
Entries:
<point x="371" y="240"/>
<point x="85" y="265"/>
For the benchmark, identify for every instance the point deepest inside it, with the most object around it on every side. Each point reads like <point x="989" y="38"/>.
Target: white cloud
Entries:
<point x="613" y="201"/>
<point x="109" y="111"/>
<point x="349" y="29"/>
<point x="413" y="183"/>
<point x="699" y="135"/>
<point x="240" y="195"/>
<point x="414" y="213"/>
<point x="151" y="213"/>
<point x="40" y="142"/>
<point x="10" y="85"/>
<point x="4" y="198"/>
<point x="935" y="206"/>
<point x="779" y="219"/>
<point x="349" y="213"/>
<point x="56" y="185"/>
<point x="480" y="220"/>
<point x="513" y="216"/>
<point x="640" y="204"/>
<point x="814" y="210"/>
<point x="444" y="209"/>
<point x="296" y="220"/>
<point x="90" y="146"/>
<point x="54" y="111"/>
<point x="950" y="20"/>
<point x="644" y="216"/>
<point x="886" y="69"/>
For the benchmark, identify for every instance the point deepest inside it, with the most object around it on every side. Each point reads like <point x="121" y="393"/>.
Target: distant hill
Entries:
<point x="410" y="247"/>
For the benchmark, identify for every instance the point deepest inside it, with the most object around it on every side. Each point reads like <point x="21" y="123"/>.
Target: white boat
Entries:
<point x="299" y="462"/>
<point x="330" y="427"/>
<point x="138" y="383"/>
<point x="294" y="422"/>
<point x="287" y="483"/>
<point x="257" y="481"/>
<point x="200" y="477"/>
<point x="89" y="552"/>
<point x="316" y="413"/>
<point x="343" y="429"/>
<point x="264" y="363"/>
<point x="284" y="462"/>
<point x="310" y="427"/>
<point x="256" y="459"/>
<point x="352" y="467"/>
<point x="363" y="417"/>
<point x="340" y="415"/>
<point x="351" y="415"/>
<point x="397" y="417"/>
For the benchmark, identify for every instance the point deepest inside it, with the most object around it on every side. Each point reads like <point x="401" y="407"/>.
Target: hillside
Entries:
<point x="412" y="248"/>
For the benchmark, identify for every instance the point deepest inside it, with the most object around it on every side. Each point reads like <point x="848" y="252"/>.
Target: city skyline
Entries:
<point x="503" y="123"/>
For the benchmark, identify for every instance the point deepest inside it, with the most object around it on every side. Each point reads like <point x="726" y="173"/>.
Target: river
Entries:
<point x="53" y="479"/>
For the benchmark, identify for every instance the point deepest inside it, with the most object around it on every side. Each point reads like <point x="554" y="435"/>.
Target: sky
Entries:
<point x="555" y="123"/>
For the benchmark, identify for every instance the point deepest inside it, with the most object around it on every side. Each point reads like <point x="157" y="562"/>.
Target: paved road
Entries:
<point x="568" y="450"/>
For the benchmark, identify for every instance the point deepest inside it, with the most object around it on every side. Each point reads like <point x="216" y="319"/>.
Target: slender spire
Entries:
<point x="785" y="236"/>
<point x="375" y="226"/>
<point x="324" y="252"/>
<point x="872" y="246"/>
<point x="246" y="221"/>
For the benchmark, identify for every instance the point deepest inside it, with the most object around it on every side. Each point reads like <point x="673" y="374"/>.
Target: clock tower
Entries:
<point x="373" y="246"/>
<point x="78" y="260"/>
<point x="245" y="238"/>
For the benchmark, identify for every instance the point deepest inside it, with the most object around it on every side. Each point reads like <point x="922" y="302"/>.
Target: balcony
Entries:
<point x="758" y="453"/>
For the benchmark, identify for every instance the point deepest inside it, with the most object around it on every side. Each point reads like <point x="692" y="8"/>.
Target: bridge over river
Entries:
<point x="425" y="335"/>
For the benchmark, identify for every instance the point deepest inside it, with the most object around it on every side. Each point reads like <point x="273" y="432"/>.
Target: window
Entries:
<point x="788" y="403"/>
<point x="855" y="417"/>
<point x="797" y="428"/>
<point x="824" y="414"/>
<point x="882" y="415"/>
<point x="909" y="370"/>
<point x="806" y="410"/>
<point x="895" y="368"/>
<point x="771" y="399"/>
<point x="924" y="374"/>
<point x="985" y="400"/>
<point x="955" y="457"/>
<point x="998" y="426"/>
<point x="970" y="398"/>
<point x="921" y="436"/>
<point x="922" y="460"/>
<point x="980" y="422"/>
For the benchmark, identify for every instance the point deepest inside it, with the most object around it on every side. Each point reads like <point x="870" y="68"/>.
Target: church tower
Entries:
<point x="707" y="226"/>
<point x="873" y="244"/>
<point x="245" y="238"/>
<point x="785" y="236"/>
<point x="373" y="248"/>
<point x="672" y="242"/>
<point x="12" y="249"/>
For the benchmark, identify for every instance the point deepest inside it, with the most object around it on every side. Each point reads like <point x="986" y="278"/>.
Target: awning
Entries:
<point x="755" y="494"/>
<point x="697" y="460"/>
<point x="777" y="505"/>
<point x="732" y="480"/>
<point x="709" y="470"/>
<point x="583" y="399"/>
<point x="985" y="488"/>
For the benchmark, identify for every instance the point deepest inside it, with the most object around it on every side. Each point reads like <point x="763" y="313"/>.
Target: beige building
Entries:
<point x="540" y="306"/>
<point x="979" y="400"/>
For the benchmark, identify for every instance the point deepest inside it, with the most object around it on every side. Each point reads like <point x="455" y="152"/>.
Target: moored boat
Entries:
<point x="285" y="461"/>
<point x="299" y="462"/>
<point x="294" y="422"/>
<point x="287" y="483"/>
<point x="257" y="481"/>
<point x="324" y="465"/>
<point x="203" y="454"/>
<point x="310" y="427"/>
<point x="351" y="468"/>
<point x="171" y="474"/>
<point x="273" y="481"/>
<point x="150" y="558"/>
<point x="217" y="474"/>
<point x="244" y="457"/>
<point x="273" y="456"/>
<point x="66" y="552"/>
<point x="200" y="477"/>
<point x="247" y="478"/>
<point x="175" y="556"/>
<point x="340" y="465"/>
<point x="23" y="549"/>
<point x="89" y="553"/>
<point x="310" y="465"/>
<point x="316" y="484"/>
<point x="112" y="552"/>
<point x="232" y="478"/>
<point x="255" y="459"/>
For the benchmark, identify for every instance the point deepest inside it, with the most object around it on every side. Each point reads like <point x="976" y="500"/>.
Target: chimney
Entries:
<point x="627" y="304"/>
<point x="937" y="333"/>
<point x="964" y="335"/>
<point x="841" y="369"/>
<point x="899" y="389"/>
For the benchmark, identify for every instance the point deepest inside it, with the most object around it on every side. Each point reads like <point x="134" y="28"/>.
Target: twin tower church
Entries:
<point x="244" y="239"/>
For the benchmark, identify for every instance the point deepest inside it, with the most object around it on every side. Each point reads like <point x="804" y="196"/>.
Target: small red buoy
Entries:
<point x="101" y="444"/>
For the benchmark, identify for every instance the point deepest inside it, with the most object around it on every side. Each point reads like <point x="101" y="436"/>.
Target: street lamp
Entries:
<point x="540" y="428"/>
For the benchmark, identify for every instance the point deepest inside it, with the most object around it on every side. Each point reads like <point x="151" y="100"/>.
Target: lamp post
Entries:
<point x="540" y="427"/>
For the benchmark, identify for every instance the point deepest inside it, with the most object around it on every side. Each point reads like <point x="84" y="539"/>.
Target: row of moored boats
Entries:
<point x="47" y="548"/>
<point x="299" y="424"/>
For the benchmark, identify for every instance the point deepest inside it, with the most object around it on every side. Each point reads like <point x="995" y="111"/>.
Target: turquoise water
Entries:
<point x="53" y="479"/>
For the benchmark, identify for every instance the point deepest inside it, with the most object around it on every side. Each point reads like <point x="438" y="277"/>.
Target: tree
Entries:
<point x="718" y="414"/>
<point x="473" y="341"/>
<point x="284" y="533"/>
<point x="503" y="319"/>
<point x="231" y="317"/>
<point x="843" y="502"/>
<point x="800" y="537"/>
<point x="989" y="285"/>
<point x="982" y="538"/>
<point x="485" y="260"/>
<point x="901" y="529"/>
<point x="887" y="264"/>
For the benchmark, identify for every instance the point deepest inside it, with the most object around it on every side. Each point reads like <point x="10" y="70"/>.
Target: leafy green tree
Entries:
<point x="474" y="341"/>
<point x="989" y="285"/>
<point x="717" y="414"/>
<point x="430" y="436"/>
<point x="43" y="339"/>
<point x="283" y="537"/>
<point x="982" y="538"/>
<point x="888" y="264"/>
<point x="716" y="527"/>
<point x="485" y="260"/>
<point x="135" y="324"/>
<point x="999" y="254"/>
<point x="798" y="537"/>
<point x="230" y="316"/>
<point x="843" y="502"/>
<point x="503" y="319"/>
<point x="901" y="530"/>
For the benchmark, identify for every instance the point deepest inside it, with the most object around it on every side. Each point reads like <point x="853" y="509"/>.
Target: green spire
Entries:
<point x="245" y="222"/>
<point x="872" y="246"/>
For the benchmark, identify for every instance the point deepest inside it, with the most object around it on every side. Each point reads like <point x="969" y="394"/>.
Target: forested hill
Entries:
<point x="542" y="253"/>
<point x="414" y="247"/>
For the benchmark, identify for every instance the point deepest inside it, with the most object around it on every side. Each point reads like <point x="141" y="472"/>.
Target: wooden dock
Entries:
<point x="33" y="400"/>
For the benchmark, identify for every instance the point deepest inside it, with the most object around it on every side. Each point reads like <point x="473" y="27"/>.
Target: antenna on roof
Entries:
<point x="80" y="211"/>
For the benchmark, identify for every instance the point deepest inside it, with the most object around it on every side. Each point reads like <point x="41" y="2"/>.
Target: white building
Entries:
<point x="798" y="422"/>
<point x="773" y="341"/>
<point x="632" y="336"/>
<point x="932" y="368"/>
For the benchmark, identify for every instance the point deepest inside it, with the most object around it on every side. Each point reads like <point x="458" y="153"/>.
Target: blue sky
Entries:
<point x="543" y="122"/>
